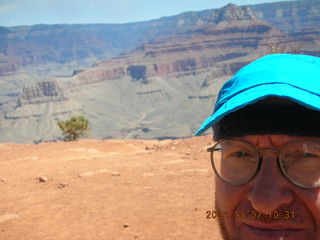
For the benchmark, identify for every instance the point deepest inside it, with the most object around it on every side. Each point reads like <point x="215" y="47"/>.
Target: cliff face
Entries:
<point x="41" y="92"/>
<point x="231" y="12"/>
<point x="290" y="16"/>
<point x="232" y="34"/>
<point x="9" y="68"/>
<point x="164" y="88"/>
<point x="42" y="44"/>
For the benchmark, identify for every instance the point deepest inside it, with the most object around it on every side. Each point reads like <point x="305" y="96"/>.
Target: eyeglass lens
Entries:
<point x="237" y="162"/>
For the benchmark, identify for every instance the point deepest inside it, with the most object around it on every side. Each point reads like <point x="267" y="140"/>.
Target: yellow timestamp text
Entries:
<point x="241" y="214"/>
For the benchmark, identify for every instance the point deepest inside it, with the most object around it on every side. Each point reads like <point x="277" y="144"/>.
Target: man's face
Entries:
<point x="268" y="207"/>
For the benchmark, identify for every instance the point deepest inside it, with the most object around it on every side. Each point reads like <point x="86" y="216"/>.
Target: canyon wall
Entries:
<point x="41" y="44"/>
<point x="162" y="85"/>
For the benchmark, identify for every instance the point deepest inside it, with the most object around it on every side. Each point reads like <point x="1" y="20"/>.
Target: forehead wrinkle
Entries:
<point x="273" y="143"/>
<point x="259" y="141"/>
<point x="275" y="140"/>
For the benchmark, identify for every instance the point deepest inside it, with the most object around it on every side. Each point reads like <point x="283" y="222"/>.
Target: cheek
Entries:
<point x="229" y="196"/>
<point x="311" y="200"/>
<point x="228" y="199"/>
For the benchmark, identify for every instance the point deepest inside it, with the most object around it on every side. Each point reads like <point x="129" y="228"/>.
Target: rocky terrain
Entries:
<point x="41" y="43"/>
<point x="164" y="83"/>
<point x="107" y="189"/>
<point x="289" y="16"/>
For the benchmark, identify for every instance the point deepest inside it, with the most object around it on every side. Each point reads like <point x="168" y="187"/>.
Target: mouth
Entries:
<point x="276" y="232"/>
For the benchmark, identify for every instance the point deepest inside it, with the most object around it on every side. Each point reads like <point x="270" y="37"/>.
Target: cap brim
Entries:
<point x="257" y="93"/>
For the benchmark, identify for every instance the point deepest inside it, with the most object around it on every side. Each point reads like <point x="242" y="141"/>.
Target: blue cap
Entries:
<point x="296" y="77"/>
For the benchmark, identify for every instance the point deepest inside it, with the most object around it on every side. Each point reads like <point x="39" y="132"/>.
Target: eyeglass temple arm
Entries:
<point x="211" y="149"/>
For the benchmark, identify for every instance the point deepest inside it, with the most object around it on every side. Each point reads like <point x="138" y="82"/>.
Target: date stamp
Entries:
<point x="273" y="216"/>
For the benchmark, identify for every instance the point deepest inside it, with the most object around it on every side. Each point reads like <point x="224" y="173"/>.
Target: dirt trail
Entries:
<point x="107" y="190"/>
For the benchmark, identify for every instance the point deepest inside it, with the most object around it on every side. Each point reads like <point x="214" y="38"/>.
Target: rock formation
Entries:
<point x="42" y="44"/>
<point x="290" y="16"/>
<point x="162" y="88"/>
<point x="9" y="68"/>
<point x="41" y="92"/>
<point x="233" y="33"/>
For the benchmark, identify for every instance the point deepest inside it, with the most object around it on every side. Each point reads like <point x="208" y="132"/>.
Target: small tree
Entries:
<point x="74" y="128"/>
<point x="279" y="44"/>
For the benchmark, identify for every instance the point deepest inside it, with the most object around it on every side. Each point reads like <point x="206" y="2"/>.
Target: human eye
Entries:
<point x="304" y="157"/>
<point x="240" y="154"/>
<point x="301" y="155"/>
<point x="241" y="158"/>
<point x="306" y="160"/>
<point x="309" y="159"/>
<point x="234" y="153"/>
<point x="237" y="152"/>
<point x="308" y="155"/>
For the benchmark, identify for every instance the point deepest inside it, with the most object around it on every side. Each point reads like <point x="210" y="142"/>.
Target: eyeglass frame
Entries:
<point x="260" y="160"/>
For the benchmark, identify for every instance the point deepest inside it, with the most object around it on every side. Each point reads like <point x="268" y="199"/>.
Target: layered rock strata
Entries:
<point x="42" y="44"/>
<point x="41" y="92"/>
<point x="162" y="89"/>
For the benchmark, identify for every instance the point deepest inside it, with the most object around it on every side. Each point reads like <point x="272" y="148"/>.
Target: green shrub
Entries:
<point x="74" y="128"/>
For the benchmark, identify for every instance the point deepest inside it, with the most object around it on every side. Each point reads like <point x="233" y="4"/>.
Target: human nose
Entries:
<point x="269" y="190"/>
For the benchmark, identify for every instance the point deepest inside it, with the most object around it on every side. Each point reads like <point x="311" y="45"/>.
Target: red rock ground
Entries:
<point x="107" y="190"/>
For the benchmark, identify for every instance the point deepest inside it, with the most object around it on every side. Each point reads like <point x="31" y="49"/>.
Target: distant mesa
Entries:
<point x="41" y="92"/>
<point x="232" y="12"/>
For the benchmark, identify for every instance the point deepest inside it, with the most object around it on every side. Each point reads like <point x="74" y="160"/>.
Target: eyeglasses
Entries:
<point x="237" y="162"/>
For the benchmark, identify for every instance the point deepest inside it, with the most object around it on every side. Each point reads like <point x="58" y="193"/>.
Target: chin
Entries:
<point x="242" y="231"/>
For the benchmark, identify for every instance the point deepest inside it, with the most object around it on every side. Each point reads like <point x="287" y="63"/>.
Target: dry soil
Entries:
<point x="107" y="190"/>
